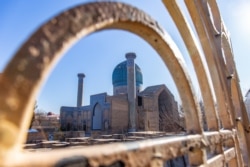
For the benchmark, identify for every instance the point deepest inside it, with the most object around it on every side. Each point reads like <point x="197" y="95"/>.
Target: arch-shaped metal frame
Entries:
<point x="211" y="32"/>
<point x="19" y="85"/>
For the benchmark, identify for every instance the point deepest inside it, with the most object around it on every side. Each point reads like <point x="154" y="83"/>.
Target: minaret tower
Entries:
<point x="131" y="89"/>
<point x="80" y="89"/>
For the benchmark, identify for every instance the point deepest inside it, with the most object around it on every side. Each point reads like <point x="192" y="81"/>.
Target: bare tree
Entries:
<point x="40" y="116"/>
<point x="169" y="120"/>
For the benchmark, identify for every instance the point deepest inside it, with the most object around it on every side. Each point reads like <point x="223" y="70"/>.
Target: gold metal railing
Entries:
<point x="225" y="142"/>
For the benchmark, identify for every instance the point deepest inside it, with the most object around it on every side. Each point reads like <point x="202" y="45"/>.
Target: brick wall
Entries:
<point x="119" y="117"/>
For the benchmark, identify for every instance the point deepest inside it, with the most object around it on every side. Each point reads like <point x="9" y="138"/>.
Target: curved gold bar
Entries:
<point x="195" y="55"/>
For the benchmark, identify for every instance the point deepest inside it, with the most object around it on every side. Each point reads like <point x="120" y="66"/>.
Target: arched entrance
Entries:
<point x="68" y="127"/>
<point x="69" y="123"/>
<point x="97" y="117"/>
<point x="84" y="126"/>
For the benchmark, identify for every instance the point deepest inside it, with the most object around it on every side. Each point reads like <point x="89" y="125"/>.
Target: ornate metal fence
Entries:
<point x="225" y="142"/>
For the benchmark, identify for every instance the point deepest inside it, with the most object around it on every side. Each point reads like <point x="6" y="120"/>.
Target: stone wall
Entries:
<point x="150" y="108"/>
<point x="119" y="116"/>
<point x="34" y="137"/>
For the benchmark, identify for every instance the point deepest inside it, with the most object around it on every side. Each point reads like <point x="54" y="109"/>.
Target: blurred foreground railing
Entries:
<point x="153" y="152"/>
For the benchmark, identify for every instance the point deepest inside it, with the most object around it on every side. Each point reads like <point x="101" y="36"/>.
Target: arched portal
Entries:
<point x="84" y="125"/>
<point x="68" y="128"/>
<point x="97" y="117"/>
<point x="69" y="122"/>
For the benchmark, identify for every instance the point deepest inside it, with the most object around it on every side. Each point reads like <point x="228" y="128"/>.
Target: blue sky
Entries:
<point x="97" y="54"/>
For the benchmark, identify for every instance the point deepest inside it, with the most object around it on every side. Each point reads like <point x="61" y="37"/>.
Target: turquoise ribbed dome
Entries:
<point x="119" y="76"/>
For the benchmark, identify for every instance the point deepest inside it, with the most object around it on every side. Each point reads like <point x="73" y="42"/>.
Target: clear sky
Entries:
<point x="97" y="54"/>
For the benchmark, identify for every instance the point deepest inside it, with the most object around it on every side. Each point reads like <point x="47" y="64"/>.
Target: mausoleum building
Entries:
<point x="129" y="109"/>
